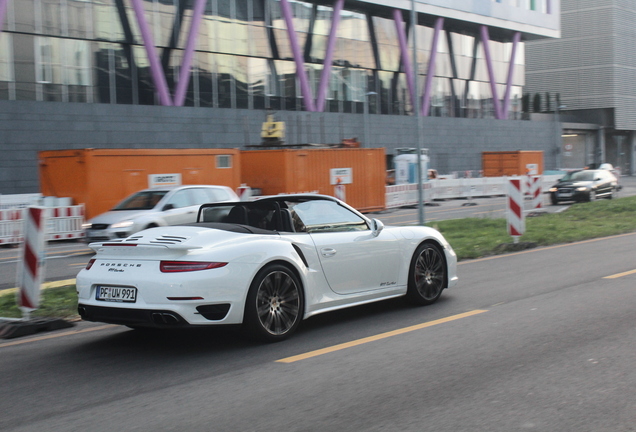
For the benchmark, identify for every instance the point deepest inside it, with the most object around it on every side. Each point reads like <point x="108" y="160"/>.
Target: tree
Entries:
<point x="536" y="103"/>
<point x="525" y="103"/>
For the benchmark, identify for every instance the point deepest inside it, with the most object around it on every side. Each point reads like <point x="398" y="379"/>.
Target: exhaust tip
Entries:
<point x="165" y="318"/>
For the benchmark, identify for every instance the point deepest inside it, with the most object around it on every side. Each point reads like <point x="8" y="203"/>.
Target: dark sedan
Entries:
<point x="584" y="185"/>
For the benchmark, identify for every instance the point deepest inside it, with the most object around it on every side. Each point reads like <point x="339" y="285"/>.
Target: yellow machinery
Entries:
<point x="273" y="132"/>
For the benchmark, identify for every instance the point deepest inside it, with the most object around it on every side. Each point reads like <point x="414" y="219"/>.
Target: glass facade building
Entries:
<point x="93" y="51"/>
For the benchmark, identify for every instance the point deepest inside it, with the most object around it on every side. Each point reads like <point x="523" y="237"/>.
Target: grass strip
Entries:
<point x="58" y="302"/>
<point x="479" y="237"/>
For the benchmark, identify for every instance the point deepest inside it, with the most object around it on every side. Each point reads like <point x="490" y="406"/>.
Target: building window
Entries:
<point x="43" y="60"/>
<point x="6" y="58"/>
<point x="224" y="161"/>
<point x="78" y="64"/>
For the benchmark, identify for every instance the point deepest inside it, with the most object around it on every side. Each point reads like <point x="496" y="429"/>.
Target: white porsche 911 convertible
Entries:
<point x="266" y="264"/>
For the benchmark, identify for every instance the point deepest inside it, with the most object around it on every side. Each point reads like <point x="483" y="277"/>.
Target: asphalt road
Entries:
<point x="540" y="340"/>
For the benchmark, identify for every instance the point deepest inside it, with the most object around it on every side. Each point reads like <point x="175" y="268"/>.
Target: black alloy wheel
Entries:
<point x="275" y="304"/>
<point x="427" y="275"/>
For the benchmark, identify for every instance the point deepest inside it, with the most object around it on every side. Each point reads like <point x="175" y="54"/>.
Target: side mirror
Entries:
<point x="167" y="207"/>
<point x="376" y="227"/>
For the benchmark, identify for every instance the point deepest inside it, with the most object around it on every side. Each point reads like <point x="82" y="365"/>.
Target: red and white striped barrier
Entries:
<point x="244" y="192"/>
<point x="11" y="221"/>
<point x="31" y="266"/>
<point x="514" y="209"/>
<point x="65" y="223"/>
<point x="535" y="191"/>
<point x="449" y="188"/>
<point x="406" y="194"/>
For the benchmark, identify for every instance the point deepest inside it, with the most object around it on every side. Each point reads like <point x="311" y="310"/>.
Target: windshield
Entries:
<point x="145" y="200"/>
<point x="579" y="176"/>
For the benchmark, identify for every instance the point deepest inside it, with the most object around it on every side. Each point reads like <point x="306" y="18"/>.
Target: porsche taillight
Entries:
<point x="90" y="264"/>
<point x="188" y="266"/>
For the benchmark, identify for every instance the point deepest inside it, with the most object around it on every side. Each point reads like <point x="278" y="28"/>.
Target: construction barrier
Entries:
<point x="31" y="268"/>
<point x="15" y="201"/>
<point x="11" y="221"/>
<point x="535" y="192"/>
<point x="514" y="209"/>
<point x="406" y="195"/>
<point x="465" y="188"/>
<point x="64" y="223"/>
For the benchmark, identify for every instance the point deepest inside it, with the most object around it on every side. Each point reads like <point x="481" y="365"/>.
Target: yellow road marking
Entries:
<point x="75" y="252"/>
<point x="56" y="335"/>
<point x="45" y="285"/>
<point x="617" y="275"/>
<point x="377" y="337"/>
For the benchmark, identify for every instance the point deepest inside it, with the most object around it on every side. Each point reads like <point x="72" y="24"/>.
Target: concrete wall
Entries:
<point x="28" y="127"/>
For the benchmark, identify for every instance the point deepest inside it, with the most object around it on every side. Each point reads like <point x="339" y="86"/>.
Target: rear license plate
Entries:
<point x="116" y="294"/>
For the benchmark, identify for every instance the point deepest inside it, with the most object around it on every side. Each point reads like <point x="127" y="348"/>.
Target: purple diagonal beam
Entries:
<point x="485" y="38"/>
<point x="3" y="12"/>
<point x="326" y="67"/>
<point x="186" y="63"/>
<point x="404" y="52"/>
<point x="430" y="74"/>
<point x="506" y="102"/>
<point x="156" y="72"/>
<point x="298" y="58"/>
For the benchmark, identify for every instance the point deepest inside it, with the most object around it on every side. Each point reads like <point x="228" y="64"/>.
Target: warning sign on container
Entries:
<point x="341" y="176"/>
<point x="155" y="180"/>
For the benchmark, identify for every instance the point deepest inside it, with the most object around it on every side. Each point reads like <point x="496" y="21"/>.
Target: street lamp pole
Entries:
<point x="416" y="112"/>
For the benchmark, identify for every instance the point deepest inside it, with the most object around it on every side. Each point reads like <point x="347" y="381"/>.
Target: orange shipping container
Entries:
<point x="99" y="179"/>
<point x="511" y="163"/>
<point x="317" y="170"/>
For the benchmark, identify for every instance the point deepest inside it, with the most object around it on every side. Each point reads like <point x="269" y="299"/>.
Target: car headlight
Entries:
<point x="553" y="189"/>
<point x="122" y="224"/>
<point x="86" y="226"/>
<point x="581" y="188"/>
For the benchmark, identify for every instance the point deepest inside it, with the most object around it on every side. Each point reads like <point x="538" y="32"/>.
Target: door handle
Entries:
<point x="327" y="252"/>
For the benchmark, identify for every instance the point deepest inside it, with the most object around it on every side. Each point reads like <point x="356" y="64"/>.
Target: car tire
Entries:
<point x="591" y="196"/>
<point x="427" y="275"/>
<point x="553" y="200"/>
<point x="275" y="304"/>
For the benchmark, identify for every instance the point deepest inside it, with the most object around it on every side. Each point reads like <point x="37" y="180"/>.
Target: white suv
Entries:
<point x="161" y="206"/>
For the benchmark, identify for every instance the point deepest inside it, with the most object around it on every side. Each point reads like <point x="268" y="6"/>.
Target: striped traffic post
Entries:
<point x="514" y="209"/>
<point x="31" y="265"/>
<point x="536" y="192"/>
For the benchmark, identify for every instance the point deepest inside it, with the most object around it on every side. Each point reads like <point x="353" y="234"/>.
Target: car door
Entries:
<point x="358" y="261"/>
<point x="353" y="259"/>
<point x="607" y="180"/>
